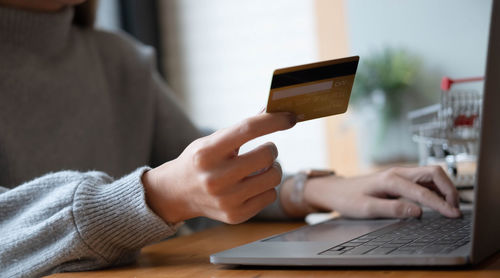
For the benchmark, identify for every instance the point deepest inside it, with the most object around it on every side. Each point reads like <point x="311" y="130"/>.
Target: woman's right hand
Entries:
<point x="211" y="179"/>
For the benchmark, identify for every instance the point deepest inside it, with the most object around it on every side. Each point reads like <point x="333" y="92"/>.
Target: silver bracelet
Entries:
<point x="299" y="182"/>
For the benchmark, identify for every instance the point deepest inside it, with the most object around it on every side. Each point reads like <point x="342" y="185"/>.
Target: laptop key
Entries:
<point x="416" y="245"/>
<point x="358" y="240"/>
<point x="336" y="248"/>
<point x="433" y="249"/>
<point x="372" y="243"/>
<point x="401" y="241"/>
<point x="392" y="245"/>
<point x="352" y="244"/>
<point x="340" y="248"/>
<point x="331" y="253"/>
<point x="424" y="240"/>
<point x="381" y="251"/>
<point x="409" y="237"/>
<point x="360" y="250"/>
<point x="368" y="237"/>
<point x="381" y="241"/>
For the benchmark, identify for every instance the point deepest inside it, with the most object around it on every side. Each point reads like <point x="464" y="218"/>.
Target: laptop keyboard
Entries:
<point x="432" y="234"/>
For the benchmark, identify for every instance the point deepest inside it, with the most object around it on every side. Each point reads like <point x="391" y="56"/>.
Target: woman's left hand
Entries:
<point x="393" y="193"/>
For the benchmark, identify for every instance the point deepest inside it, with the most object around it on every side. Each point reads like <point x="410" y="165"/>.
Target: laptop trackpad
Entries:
<point x="337" y="230"/>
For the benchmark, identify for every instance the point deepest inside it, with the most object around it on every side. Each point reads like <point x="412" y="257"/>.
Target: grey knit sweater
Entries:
<point x="82" y="115"/>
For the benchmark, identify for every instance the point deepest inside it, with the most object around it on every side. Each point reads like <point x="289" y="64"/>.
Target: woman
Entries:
<point x="79" y="107"/>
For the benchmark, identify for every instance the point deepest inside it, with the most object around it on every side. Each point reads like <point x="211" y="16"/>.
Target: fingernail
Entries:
<point x="413" y="212"/>
<point x="454" y="210"/>
<point x="292" y="118"/>
<point x="274" y="149"/>
<point x="277" y="165"/>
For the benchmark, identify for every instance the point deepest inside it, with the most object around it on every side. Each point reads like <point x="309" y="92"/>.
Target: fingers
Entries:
<point x="385" y="208"/>
<point x="249" y="208"/>
<point x="227" y="140"/>
<point x="257" y="184"/>
<point x="405" y="188"/>
<point x="445" y="185"/>
<point x="230" y="199"/>
<point x="436" y="176"/>
<point x="251" y="196"/>
<point x="252" y="163"/>
<point x="257" y="159"/>
<point x="255" y="204"/>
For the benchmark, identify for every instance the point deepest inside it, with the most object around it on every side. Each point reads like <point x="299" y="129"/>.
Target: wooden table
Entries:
<point x="188" y="256"/>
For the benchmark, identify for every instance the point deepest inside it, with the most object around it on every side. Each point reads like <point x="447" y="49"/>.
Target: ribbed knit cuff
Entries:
<point x="114" y="220"/>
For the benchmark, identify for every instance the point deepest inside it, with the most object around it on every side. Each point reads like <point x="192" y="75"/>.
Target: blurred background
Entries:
<point x="219" y="55"/>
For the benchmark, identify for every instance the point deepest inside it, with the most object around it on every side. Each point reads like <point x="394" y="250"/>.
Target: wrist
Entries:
<point x="290" y="208"/>
<point x="160" y="199"/>
<point x="294" y="201"/>
<point x="318" y="192"/>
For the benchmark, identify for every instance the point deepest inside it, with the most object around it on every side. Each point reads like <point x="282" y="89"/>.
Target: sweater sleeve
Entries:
<point x="74" y="221"/>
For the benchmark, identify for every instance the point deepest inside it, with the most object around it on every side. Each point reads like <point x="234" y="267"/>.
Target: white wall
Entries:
<point x="229" y="51"/>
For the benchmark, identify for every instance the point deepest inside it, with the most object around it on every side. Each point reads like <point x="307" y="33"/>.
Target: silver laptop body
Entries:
<point x="318" y="245"/>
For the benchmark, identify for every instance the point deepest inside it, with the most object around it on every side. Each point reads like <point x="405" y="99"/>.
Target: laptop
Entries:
<point x="431" y="240"/>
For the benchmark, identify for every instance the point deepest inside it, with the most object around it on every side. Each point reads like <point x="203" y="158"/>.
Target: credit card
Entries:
<point x="313" y="90"/>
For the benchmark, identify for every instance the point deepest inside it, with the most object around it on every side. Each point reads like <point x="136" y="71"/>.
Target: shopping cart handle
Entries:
<point x="446" y="82"/>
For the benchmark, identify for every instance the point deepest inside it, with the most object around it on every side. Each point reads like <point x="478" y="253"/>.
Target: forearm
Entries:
<point x="71" y="221"/>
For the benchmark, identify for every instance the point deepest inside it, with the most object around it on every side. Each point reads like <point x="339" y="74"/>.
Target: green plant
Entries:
<point x="390" y="72"/>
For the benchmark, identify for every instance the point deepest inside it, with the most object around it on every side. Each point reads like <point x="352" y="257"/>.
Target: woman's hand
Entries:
<point x="392" y="193"/>
<point x="210" y="179"/>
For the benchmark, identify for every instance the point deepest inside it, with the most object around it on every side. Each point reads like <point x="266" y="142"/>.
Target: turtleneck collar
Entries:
<point x="35" y="31"/>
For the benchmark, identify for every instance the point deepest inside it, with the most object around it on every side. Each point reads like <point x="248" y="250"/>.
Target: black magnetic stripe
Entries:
<point x="314" y="74"/>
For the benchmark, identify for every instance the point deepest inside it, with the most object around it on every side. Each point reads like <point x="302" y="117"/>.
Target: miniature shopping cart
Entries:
<point x="447" y="133"/>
